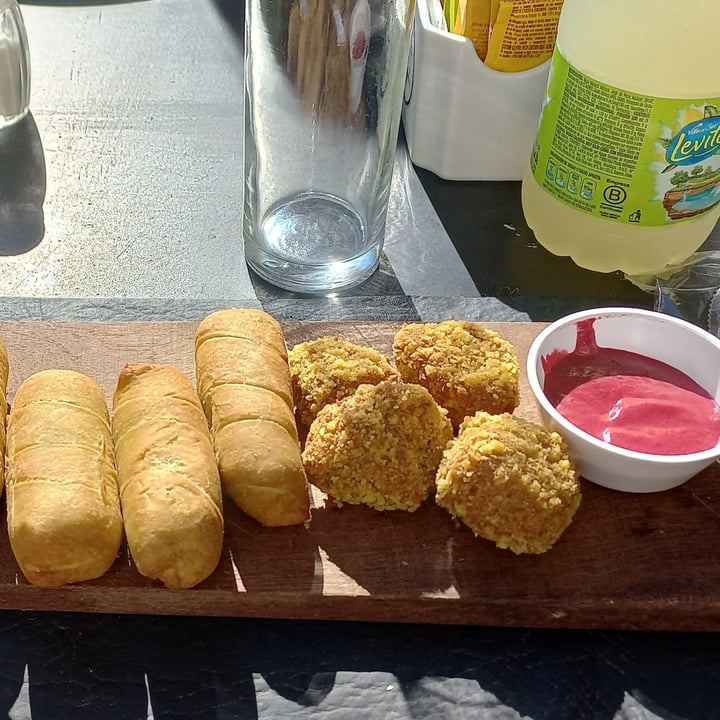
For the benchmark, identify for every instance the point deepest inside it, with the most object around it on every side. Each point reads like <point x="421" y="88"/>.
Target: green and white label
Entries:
<point x="623" y="156"/>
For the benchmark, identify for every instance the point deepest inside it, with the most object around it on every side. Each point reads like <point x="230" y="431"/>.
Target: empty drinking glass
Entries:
<point x="324" y="84"/>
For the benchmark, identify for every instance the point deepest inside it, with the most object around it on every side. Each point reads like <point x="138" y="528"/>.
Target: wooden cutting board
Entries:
<point x="627" y="561"/>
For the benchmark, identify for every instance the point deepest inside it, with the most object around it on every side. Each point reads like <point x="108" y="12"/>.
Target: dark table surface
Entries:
<point x="120" y="197"/>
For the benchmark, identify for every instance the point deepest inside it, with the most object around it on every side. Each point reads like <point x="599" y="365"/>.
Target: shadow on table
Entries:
<point x="233" y="11"/>
<point x="293" y="571"/>
<point x="487" y="226"/>
<point x="381" y="297"/>
<point x="22" y="187"/>
<point x="94" y="666"/>
<point x="397" y="560"/>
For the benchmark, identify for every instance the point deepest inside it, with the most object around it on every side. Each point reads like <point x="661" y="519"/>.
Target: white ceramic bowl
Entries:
<point x="676" y="342"/>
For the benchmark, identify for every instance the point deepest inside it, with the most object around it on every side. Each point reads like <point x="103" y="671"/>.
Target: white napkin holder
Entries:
<point x="462" y="119"/>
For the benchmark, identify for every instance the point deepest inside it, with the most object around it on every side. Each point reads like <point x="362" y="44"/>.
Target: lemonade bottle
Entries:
<point x="625" y="171"/>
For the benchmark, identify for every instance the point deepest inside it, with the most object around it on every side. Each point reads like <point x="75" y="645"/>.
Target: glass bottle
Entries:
<point x="14" y="64"/>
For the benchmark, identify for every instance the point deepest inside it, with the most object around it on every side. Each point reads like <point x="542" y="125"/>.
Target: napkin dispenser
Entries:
<point x="463" y="120"/>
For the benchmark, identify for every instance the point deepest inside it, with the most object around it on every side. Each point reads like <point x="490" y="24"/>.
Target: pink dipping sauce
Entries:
<point x="629" y="400"/>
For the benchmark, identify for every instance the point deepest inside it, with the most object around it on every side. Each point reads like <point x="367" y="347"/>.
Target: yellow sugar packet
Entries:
<point x="523" y="34"/>
<point x="459" y="27"/>
<point x="450" y="10"/>
<point x="476" y="25"/>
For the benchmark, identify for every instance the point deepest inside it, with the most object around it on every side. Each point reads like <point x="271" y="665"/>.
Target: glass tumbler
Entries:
<point x="14" y="64"/>
<point x="324" y="84"/>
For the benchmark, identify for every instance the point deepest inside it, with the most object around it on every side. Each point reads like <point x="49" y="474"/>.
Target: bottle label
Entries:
<point x="623" y="156"/>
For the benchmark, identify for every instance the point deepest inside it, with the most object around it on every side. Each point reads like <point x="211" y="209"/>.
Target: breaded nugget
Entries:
<point x="465" y="366"/>
<point x="380" y="446"/>
<point x="329" y="369"/>
<point x="510" y="481"/>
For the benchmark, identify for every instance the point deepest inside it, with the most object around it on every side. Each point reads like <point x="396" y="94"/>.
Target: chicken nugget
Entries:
<point x="465" y="366"/>
<point x="380" y="446"/>
<point x="329" y="369"/>
<point x="510" y="481"/>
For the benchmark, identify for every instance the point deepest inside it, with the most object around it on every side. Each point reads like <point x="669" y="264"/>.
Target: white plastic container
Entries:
<point x="463" y="120"/>
<point x="633" y="104"/>
<point x="676" y="342"/>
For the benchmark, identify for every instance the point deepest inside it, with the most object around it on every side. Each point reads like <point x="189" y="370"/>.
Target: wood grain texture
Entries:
<point x="627" y="561"/>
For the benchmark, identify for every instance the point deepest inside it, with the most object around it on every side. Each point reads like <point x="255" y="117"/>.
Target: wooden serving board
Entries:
<point x="627" y="561"/>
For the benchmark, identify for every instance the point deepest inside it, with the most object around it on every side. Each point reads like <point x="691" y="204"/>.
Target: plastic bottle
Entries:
<point x="624" y="173"/>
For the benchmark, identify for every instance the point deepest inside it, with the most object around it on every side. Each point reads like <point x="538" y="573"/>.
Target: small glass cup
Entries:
<point x="14" y="64"/>
<point x="324" y="83"/>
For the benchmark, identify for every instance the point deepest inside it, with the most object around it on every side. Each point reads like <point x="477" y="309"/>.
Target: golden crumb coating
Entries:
<point x="380" y="446"/>
<point x="510" y="481"/>
<point x="329" y="369"/>
<point x="465" y="366"/>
